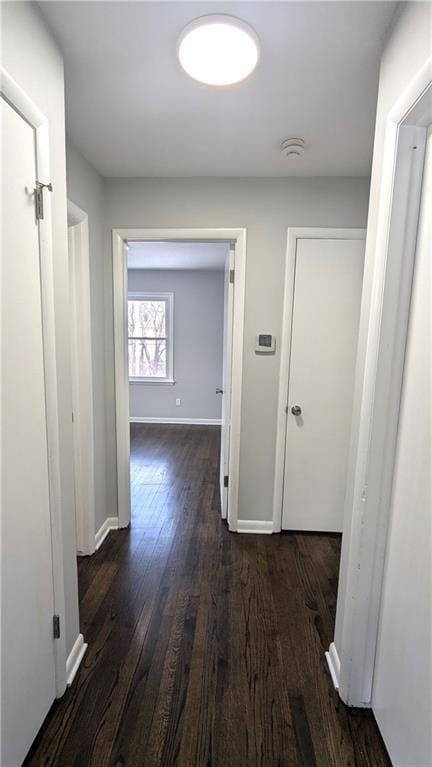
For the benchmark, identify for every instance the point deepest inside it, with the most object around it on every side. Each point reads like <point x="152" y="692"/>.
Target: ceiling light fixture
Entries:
<point x="218" y="49"/>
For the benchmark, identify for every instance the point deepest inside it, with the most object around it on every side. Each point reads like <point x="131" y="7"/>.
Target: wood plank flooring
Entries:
<point x="206" y="648"/>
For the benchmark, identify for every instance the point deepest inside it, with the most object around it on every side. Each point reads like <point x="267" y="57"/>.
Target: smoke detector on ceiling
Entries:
<point x="293" y="148"/>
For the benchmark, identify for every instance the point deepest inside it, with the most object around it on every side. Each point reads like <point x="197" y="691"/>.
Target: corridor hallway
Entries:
<point x="206" y="648"/>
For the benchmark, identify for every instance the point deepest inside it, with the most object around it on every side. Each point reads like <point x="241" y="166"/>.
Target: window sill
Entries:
<point x="150" y="382"/>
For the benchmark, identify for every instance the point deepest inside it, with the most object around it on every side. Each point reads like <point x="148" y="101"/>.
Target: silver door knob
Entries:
<point x="219" y="391"/>
<point x="296" y="410"/>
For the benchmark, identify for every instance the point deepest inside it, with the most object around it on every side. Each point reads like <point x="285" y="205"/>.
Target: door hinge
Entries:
<point x="39" y="203"/>
<point x="232" y="276"/>
<point x="56" y="626"/>
<point x="226" y="480"/>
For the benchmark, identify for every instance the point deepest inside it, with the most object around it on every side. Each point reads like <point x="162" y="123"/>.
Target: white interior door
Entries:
<point x="226" y="380"/>
<point x="402" y="690"/>
<point x="28" y="661"/>
<point x="326" y="311"/>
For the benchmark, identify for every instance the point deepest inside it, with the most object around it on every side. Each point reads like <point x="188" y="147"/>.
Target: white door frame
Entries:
<point x="119" y="239"/>
<point x="82" y="377"/>
<point x="379" y="377"/>
<point x="294" y="234"/>
<point x="20" y="101"/>
<point x="226" y="378"/>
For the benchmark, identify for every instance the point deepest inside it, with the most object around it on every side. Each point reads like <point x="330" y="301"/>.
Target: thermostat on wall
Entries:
<point x="265" y="344"/>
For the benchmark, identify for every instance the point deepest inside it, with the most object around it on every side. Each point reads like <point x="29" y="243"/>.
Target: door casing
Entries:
<point x="379" y="379"/>
<point x="82" y="378"/>
<point x="120" y="237"/>
<point x="19" y="99"/>
<point x="226" y="380"/>
<point x="403" y="658"/>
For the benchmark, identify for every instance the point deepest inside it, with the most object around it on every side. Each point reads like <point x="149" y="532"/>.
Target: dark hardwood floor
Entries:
<point x="206" y="648"/>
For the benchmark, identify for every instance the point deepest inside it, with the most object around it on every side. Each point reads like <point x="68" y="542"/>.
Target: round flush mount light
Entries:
<point x="293" y="148"/>
<point x="218" y="49"/>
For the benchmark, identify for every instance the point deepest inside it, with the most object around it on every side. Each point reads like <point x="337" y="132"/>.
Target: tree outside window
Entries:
<point x="149" y="336"/>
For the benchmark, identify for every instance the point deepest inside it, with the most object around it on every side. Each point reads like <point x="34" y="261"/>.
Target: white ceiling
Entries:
<point x="177" y="255"/>
<point x="132" y="111"/>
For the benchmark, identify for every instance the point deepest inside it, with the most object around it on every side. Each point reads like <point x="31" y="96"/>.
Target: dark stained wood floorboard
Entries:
<point x="206" y="649"/>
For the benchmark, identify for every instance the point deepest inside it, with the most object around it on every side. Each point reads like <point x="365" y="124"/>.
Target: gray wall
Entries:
<point x="86" y="189"/>
<point x="267" y="207"/>
<point x="198" y="339"/>
<point x="26" y="40"/>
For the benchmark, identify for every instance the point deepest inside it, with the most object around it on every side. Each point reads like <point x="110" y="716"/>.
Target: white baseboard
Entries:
<point x="333" y="663"/>
<point x="196" y="421"/>
<point x="111" y="523"/>
<point x="74" y="659"/>
<point x="254" y="526"/>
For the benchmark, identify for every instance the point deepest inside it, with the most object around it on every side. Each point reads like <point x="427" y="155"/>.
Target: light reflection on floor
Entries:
<point x="153" y="476"/>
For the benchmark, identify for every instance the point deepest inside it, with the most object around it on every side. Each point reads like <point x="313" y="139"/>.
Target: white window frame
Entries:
<point x="169" y="322"/>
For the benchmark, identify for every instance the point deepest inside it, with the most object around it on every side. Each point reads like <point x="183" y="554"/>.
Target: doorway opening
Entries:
<point x="178" y="301"/>
<point x="178" y="327"/>
<point x="82" y="378"/>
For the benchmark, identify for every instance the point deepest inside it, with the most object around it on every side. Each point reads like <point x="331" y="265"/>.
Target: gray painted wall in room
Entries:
<point x="86" y="189"/>
<point x="266" y="207"/>
<point x="198" y="331"/>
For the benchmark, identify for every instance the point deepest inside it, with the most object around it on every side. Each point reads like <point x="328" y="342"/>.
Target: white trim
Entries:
<point x="227" y="361"/>
<point x="22" y="103"/>
<point x="192" y="421"/>
<point x="82" y="377"/>
<point x="74" y="658"/>
<point x="255" y="526"/>
<point x="75" y="214"/>
<point x="168" y="298"/>
<point x="110" y="523"/>
<point x="152" y="381"/>
<point x="378" y="388"/>
<point x="121" y="375"/>
<point x="333" y="663"/>
<point x="294" y="234"/>
<point x="119" y="240"/>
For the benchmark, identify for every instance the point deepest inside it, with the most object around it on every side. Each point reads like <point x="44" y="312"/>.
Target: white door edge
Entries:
<point x="226" y="380"/>
<point x="19" y="99"/>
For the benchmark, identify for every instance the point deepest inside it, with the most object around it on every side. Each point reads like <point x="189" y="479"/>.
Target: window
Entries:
<point x="150" y="337"/>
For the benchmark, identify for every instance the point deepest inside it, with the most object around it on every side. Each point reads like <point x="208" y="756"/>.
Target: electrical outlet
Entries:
<point x="178" y="402"/>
